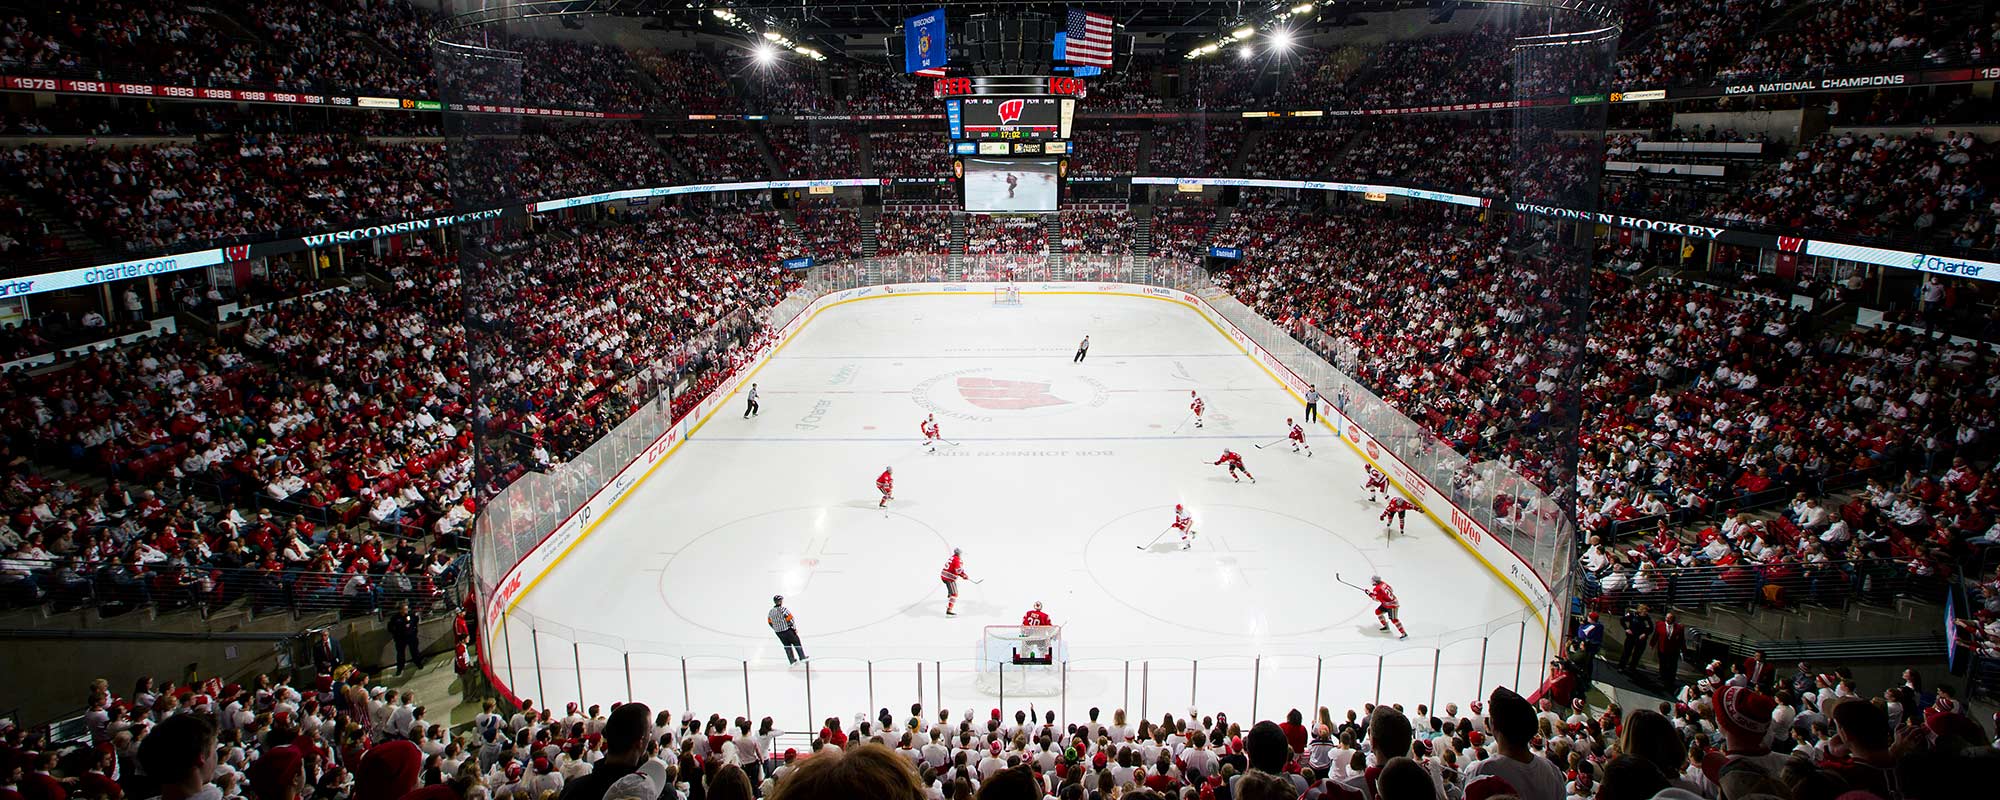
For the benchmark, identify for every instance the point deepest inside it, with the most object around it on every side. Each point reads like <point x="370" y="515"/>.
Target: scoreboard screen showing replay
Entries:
<point x="1010" y="117"/>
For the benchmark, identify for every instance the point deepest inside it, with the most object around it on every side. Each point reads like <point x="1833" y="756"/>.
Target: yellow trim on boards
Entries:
<point x="585" y="533"/>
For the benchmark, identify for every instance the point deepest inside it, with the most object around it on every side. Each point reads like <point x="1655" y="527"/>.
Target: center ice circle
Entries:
<point x="817" y="557"/>
<point x="1248" y="572"/>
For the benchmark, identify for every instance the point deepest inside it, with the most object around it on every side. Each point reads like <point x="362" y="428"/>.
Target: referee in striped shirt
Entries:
<point x="787" y="629"/>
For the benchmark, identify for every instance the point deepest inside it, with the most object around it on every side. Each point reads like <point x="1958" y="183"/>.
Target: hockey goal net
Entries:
<point x="1024" y="660"/>
<point x="1009" y="295"/>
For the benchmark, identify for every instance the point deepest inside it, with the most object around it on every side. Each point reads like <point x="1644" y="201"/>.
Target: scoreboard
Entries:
<point x="990" y="117"/>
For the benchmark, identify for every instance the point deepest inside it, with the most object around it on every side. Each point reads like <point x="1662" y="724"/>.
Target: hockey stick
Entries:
<point x="1156" y="538"/>
<point x="1336" y="576"/>
<point x="1269" y="443"/>
<point x="1184" y="421"/>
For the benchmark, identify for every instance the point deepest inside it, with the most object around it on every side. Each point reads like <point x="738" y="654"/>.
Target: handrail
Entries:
<point x="169" y="585"/>
<point x="1834" y="583"/>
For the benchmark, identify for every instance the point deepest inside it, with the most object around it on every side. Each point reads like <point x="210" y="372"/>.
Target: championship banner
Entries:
<point x="923" y="42"/>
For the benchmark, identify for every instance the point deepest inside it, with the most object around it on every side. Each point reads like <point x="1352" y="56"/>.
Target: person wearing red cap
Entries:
<point x="388" y="771"/>
<point x="1744" y="715"/>
<point x="278" y="774"/>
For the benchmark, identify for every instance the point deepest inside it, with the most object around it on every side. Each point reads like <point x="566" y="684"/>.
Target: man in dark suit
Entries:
<point x="403" y="629"/>
<point x="1589" y="640"/>
<point x="1638" y="622"/>
<point x="1669" y="639"/>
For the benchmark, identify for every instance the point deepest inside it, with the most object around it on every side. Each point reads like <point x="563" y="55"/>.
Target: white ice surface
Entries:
<point x="1050" y="501"/>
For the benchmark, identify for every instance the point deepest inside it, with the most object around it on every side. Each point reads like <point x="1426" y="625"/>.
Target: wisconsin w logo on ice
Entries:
<point x="1004" y="395"/>
<point x="981" y="394"/>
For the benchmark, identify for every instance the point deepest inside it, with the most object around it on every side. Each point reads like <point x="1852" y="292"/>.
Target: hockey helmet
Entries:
<point x="1374" y="579"/>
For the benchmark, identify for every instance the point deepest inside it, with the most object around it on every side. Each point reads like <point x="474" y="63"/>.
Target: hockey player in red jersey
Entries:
<point x="1035" y="616"/>
<point x="1235" y="463"/>
<point x="1378" y="483"/>
<point x="953" y="572"/>
<point x="1386" y="605"/>
<point x="1395" y="512"/>
<point x="929" y="428"/>
<point x="887" y="486"/>
<point x="1197" y="406"/>
<point x="1298" y="437"/>
<point x="1185" y="524"/>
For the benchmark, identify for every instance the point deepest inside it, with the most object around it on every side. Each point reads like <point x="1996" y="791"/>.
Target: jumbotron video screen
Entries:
<point x="1013" y="185"/>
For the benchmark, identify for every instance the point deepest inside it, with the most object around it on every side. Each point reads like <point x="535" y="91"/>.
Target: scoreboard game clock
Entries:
<point x="1010" y="117"/>
<point x="1010" y="140"/>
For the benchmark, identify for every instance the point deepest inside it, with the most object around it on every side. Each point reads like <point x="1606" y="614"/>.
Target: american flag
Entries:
<point x="1089" y="39"/>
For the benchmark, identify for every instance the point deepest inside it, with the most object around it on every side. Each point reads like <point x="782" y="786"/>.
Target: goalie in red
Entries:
<point x="1034" y="648"/>
<point x="1235" y="463"/>
<point x="885" y="484"/>
<point x="929" y="428"/>
<point x="1386" y="605"/>
<point x="1398" y="507"/>
<point x="1185" y="524"/>
<point x="1196" y="406"/>
<point x="1378" y="483"/>
<point x="953" y="572"/>
<point x="1298" y="437"/>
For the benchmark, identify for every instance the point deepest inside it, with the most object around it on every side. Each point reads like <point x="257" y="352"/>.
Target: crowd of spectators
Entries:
<point x="815" y="152"/>
<point x="987" y="235"/>
<point x="721" y="156"/>
<point x="781" y="86"/>
<point x="324" y="44"/>
<point x="578" y="326"/>
<point x="1195" y="148"/>
<point x="1450" y="68"/>
<point x="691" y="82"/>
<point x="1296" y="152"/>
<point x="1740" y="730"/>
<point x="1180" y="231"/>
<point x="154" y="196"/>
<point x="1881" y="185"/>
<point x="620" y="155"/>
<point x="1856" y="34"/>
<point x="1106" y="153"/>
<point x="1680" y="42"/>
<point x="909" y="155"/>
<point x="1097" y="230"/>
<point x="830" y="230"/>
<point x="877" y="90"/>
<point x="907" y="232"/>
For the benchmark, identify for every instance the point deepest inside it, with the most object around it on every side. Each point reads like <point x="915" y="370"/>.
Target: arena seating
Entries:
<point x="721" y="156"/>
<point x="909" y="155"/>
<point x="1745" y="728"/>
<point x="996" y="236"/>
<point x="815" y="152"/>
<point x="830" y="230"/>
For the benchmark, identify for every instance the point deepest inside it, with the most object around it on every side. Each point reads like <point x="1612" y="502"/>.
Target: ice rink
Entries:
<point x="1060" y="473"/>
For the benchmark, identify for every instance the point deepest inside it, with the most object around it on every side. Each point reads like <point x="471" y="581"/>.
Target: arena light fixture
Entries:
<point x="1244" y="32"/>
<point x="1281" y="39"/>
<point x="1246" y="52"/>
<point x="1302" y="9"/>
<point x="766" y="54"/>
